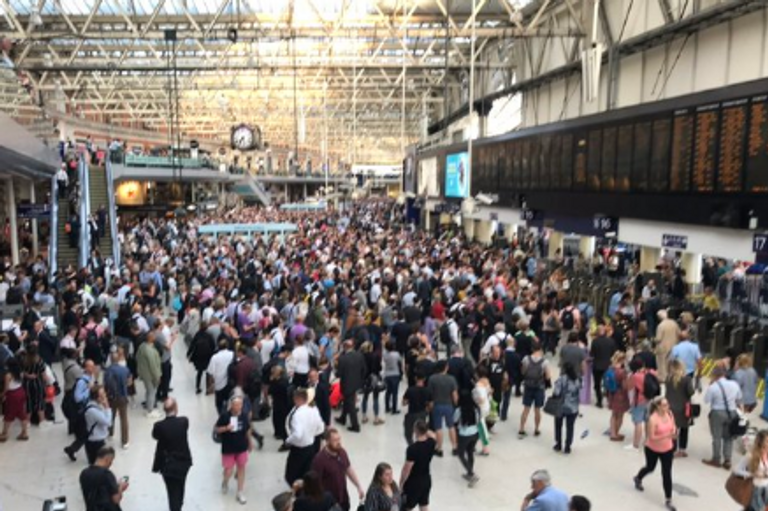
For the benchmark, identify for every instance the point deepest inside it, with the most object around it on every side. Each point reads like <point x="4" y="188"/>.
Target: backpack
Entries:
<point x="567" y="319"/>
<point x="445" y="333"/>
<point x="651" y="387"/>
<point x="92" y="345"/>
<point x="111" y="385"/>
<point x="610" y="382"/>
<point x="534" y="374"/>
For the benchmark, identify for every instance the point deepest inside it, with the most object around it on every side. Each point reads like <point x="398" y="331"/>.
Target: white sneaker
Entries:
<point x="241" y="498"/>
<point x="126" y="446"/>
<point x="630" y="447"/>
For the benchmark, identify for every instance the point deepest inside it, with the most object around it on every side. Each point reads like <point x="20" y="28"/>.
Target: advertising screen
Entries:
<point x="457" y="175"/>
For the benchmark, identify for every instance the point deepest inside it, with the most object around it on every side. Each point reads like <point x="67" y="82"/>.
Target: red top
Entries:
<point x="438" y="311"/>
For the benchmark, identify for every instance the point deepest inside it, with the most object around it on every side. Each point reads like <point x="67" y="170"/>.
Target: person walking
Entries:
<point x="659" y="446"/>
<point x="172" y="456"/>
<point x="149" y="369"/>
<point x="117" y="378"/>
<point x="233" y="428"/>
<point x="98" y="419"/>
<point x="567" y="386"/>
<point x="372" y="382"/>
<point x="601" y="350"/>
<point x="467" y="418"/>
<point x="218" y="368"/>
<point x="100" y="488"/>
<point x="351" y="372"/>
<point x="14" y="401"/>
<point x="417" y="399"/>
<point x="393" y="373"/>
<point x="304" y="425"/>
<point x="415" y="478"/>
<point x="723" y="397"/>
<point x="535" y="374"/>
<point x="383" y="493"/>
<point x="80" y="397"/>
<point x="615" y="381"/>
<point x="201" y="349"/>
<point x="311" y="495"/>
<point x="748" y="380"/>
<point x="444" y="393"/>
<point x="636" y="385"/>
<point x="754" y="466"/>
<point x="668" y="333"/>
<point x="679" y="390"/>
<point x="333" y="467"/>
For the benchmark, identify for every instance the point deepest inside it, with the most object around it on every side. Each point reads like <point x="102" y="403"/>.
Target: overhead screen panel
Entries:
<point x="756" y="169"/>
<point x="705" y="149"/>
<point x="428" y="185"/>
<point x="733" y="132"/>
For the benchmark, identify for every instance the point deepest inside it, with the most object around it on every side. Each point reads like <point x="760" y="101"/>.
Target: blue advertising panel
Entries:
<point x="457" y="175"/>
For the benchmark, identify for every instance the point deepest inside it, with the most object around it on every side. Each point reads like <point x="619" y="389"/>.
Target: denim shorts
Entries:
<point x="638" y="413"/>
<point x="533" y="396"/>
<point x="442" y="413"/>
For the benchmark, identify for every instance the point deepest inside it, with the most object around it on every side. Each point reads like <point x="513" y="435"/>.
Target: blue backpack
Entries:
<point x="609" y="381"/>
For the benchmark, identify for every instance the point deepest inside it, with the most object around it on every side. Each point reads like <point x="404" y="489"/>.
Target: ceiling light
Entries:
<point x="35" y="20"/>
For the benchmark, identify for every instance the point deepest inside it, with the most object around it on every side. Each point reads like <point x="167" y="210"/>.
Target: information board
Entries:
<point x="705" y="149"/>
<point x="457" y="175"/>
<point x="580" y="163"/>
<point x="624" y="157"/>
<point x="556" y="162"/>
<point x="566" y="168"/>
<point x="545" y="156"/>
<point x="661" y="140"/>
<point x="533" y="159"/>
<point x="756" y="168"/>
<point x="517" y="164"/>
<point x="525" y="173"/>
<point x="594" y="150"/>
<point x="608" y="160"/>
<point x="733" y="132"/>
<point x="682" y="152"/>
<point x="641" y="156"/>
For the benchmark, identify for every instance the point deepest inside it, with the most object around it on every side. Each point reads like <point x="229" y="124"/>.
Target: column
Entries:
<point x="587" y="246"/>
<point x="33" y="200"/>
<point x="469" y="228"/>
<point x="285" y="189"/>
<point x="555" y="244"/>
<point x="305" y="191"/>
<point x="483" y="232"/>
<point x="691" y="263"/>
<point x="649" y="258"/>
<point x="10" y="197"/>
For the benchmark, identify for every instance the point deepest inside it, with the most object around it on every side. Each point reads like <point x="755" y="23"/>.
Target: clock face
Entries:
<point x="242" y="138"/>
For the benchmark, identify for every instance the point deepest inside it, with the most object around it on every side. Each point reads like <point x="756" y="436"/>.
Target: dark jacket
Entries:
<point x="201" y="349"/>
<point x="172" y="450"/>
<point x="323" y="399"/>
<point x="351" y="372"/>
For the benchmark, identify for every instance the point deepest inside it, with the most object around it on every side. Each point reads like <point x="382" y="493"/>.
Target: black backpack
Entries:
<point x="445" y="333"/>
<point x="568" y="321"/>
<point x="92" y="345"/>
<point x="651" y="387"/>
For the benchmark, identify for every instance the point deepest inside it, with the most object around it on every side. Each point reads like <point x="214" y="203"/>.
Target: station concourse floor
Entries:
<point x="601" y="470"/>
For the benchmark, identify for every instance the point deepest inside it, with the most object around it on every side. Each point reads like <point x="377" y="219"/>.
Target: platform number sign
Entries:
<point x="528" y="215"/>
<point x="760" y="243"/>
<point x="674" y="241"/>
<point x="605" y="224"/>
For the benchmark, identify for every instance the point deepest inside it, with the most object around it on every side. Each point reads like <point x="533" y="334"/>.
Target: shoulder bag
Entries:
<point x="554" y="404"/>
<point x="737" y="423"/>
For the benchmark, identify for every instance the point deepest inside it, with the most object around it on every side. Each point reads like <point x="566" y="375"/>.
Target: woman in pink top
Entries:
<point x="661" y="434"/>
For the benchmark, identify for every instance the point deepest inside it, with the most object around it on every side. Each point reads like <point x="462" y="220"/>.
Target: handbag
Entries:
<point x="738" y="424"/>
<point x="554" y="406"/>
<point x="740" y="489"/>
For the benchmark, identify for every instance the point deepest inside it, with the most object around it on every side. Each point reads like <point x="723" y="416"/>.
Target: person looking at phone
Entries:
<point x="101" y="490"/>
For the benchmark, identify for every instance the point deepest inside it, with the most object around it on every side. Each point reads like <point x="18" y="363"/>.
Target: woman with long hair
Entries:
<point x="618" y="398"/>
<point x="755" y="466"/>
<point x="281" y="402"/>
<point x="467" y="419"/>
<point x="481" y="395"/>
<point x="372" y="382"/>
<point x="661" y="434"/>
<point x="680" y="388"/>
<point x="383" y="493"/>
<point x="14" y="399"/>
<point x="312" y="496"/>
<point x="34" y="383"/>
<point x="568" y="386"/>
<point x="745" y="375"/>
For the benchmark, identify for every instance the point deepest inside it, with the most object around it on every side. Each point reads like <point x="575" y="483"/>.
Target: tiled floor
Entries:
<point x="599" y="469"/>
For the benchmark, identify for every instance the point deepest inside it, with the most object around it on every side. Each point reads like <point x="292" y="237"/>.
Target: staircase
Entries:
<point x="65" y="255"/>
<point x="97" y="179"/>
<point x="251" y="190"/>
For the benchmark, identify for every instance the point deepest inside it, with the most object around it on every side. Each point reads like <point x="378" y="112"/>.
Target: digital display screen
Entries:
<point x="624" y="158"/>
<point x="660" y="144"/>
<point x="556" y="162"/>
<point x="682" y="152"/>
<point x="641" y="157"/>
<point x="566" y="169"/>
<point x="525" y="174"/>
<point x="733" y="132"/>
<point x="756" y="169"/>
<point x="608" y="161"/>
<point x="580" y="164"/>
<point x="594" y="148"/>
<point x="705" y="149"/>
<point x="457" y="175"/>
<point x="545" y="169"/>
<point x="534" y="163"/>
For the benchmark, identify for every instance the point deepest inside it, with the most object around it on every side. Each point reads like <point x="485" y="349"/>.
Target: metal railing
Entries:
<point x="53" y="237"/>
<point x="112" y="212"/>
<point x="85" y="211"/>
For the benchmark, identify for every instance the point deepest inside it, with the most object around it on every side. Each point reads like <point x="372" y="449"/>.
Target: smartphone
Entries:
<point x="126" y="479"/>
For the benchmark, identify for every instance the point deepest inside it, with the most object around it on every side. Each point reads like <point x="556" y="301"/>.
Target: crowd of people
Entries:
<point x="334" y="317"/>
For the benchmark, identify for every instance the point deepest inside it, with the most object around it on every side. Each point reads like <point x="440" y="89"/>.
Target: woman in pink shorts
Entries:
<point x="234" y="430"/>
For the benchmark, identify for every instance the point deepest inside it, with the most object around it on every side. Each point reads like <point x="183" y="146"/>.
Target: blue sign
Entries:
<point x="674" y="241"/>
<point x="605" y="225"/>
<point x="760" y="243"/>
<point x="528" y="215"/>
<point x="457" y="175"/>
<point x="33" y="211"/>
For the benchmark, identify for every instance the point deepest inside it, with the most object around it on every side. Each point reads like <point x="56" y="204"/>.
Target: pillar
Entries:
<point x="555" y="244"/>
<point x="285" y="189"/>
<point x="10" y="198"/>
<point x="469" y="228"/>
<point x="691" y="263"/>
<point x="587" y="246"/>
<point x="305" y="191"/>
<point x="649" y="258"/>
<point x="484" y="232"/>
<point x="35" y="241"/>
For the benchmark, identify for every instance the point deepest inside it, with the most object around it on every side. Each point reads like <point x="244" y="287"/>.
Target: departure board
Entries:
<point x="533" y="159"/>
<point x="733" y="132"/>
<point x="682" y="152"/>
<point x="641" y="156"/>
<point x="608" y="160"/>
<point x="517" y="165"/>
<point x="705" y="149"/>
<point x="624" y="157"/>
<point x="580" y="163"/>
<point x="556" y="162"/>
<point x="660" y="144"/>
<point x="566" y="168"/>
<point x="525" y="173"/>
<point x="756" y="168"/>
<point x="594" y="150"/>
<point x="544" y="159"/>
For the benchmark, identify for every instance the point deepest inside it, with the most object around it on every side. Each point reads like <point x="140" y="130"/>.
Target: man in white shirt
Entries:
<point x="304" y="426"/>
<point x="218" y="368"/>
<point x="499" y="337"/>
<point x="62" y="180"/>
<point x="300" y="363"/>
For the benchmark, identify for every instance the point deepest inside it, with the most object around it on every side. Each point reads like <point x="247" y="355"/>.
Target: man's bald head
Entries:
<point x="170" y="407"/>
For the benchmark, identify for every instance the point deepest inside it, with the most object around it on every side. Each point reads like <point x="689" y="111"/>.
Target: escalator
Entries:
<point x="65" y="255"/>
<point x="99" y="196"/>
<point x="252" y="191"/>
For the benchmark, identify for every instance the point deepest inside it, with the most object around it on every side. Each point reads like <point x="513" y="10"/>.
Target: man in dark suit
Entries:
<point x="351" y="371"/>
<point x="319" y="382"/>
<point x="172" y="456"/>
